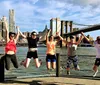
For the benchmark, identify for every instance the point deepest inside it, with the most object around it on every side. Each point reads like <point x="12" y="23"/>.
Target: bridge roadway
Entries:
<point x="87" y="29"/>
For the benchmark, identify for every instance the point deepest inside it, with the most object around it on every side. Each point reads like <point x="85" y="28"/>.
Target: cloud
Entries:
<point x="35" y="14"/>
<point x="81" y="2"/>
<point x="34" y="1"/>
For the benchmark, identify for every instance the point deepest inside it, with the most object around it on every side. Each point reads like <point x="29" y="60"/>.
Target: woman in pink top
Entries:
<point x="10" y="48"/>
<point x="50" y="58"/>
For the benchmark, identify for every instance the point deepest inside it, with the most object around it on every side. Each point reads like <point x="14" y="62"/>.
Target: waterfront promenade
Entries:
<point x="54" y="81"/>
<point x="82" y="77"/>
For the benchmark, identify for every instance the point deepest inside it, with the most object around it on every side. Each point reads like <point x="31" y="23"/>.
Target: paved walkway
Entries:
<point x="54" y="81"/>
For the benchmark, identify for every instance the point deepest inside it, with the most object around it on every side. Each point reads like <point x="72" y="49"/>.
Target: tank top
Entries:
<point x="10" y="46"/>
<point x="51" y="48"/>
<point x="72" y="50"/>
<point x="97" y="46"/>
<point x="32" y="43"/>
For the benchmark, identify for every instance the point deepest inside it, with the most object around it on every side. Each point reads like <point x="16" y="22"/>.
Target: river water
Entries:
<point x="86" y="56"/>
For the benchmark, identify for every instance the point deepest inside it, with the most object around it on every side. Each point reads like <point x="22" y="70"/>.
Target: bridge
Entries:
<point x="66" y="28"/>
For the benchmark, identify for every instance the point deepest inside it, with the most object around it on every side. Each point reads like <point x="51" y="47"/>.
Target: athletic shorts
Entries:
<point x="50" y="58"/>
<point x="72" y="59"/>
<point x="32" y="54"/>
<point x="97" y="61"/>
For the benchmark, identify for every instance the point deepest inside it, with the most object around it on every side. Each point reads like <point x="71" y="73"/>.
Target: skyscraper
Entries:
<point x="11" y="20"/>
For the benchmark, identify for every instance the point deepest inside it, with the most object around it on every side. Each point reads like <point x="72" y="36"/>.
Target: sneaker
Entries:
<point x="95" y="73"/>
<point x="78" y="68"/>
<point x="68" y="72"/>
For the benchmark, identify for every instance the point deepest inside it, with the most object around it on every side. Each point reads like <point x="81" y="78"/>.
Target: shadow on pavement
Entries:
<point x="34" y="82"/>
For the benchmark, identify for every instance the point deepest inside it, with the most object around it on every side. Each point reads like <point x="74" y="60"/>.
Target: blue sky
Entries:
<point x="35" y="14"/>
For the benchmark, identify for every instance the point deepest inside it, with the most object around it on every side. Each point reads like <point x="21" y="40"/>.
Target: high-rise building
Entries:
<point x="2" y="28"/>
<point x="11" y="20"/>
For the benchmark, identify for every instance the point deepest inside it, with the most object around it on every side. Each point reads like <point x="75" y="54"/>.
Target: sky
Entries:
<point x="35" y="14"/>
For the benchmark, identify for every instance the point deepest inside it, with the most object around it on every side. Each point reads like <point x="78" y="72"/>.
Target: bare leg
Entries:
<point x="68" y="70"/>
<point x="26" y="62"/>
<point x="53" y="65"/>
<point x="48" y="64"/>
<point x="37" y="62"/>
<point x="95" y="68"/>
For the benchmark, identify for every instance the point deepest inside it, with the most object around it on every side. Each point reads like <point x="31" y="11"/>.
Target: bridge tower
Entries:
<point x="62" y="26"/>
<point x="65" y="26"/>
<point x="55" y="25"/>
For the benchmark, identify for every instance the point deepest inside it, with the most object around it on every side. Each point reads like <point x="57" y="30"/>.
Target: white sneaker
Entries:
<point x="78" y="68"/>
<point x="95" y="73"/>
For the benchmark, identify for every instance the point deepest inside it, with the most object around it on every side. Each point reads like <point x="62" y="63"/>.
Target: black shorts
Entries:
<point x="97" y="61"/>
<point x="50" y="58"/>
<point x="32" y="54"/>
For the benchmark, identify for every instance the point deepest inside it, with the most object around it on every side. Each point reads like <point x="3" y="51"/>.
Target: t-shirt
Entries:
<point x="97" y="46"/>
<point x="32" y="43"/>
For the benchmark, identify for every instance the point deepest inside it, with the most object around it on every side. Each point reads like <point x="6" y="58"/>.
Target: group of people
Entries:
<point x="10" y="50"/>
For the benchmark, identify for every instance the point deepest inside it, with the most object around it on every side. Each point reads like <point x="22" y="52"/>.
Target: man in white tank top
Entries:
<point x="97" y="60"/>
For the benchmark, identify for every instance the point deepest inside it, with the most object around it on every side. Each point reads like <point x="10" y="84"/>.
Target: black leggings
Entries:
<point x="11" y="58"/>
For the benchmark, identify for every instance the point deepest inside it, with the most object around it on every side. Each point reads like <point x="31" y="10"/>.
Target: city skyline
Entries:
<point x="35" y="14"/>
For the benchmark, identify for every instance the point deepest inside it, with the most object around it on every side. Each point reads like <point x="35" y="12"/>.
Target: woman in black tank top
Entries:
<point x="32" y="50"/>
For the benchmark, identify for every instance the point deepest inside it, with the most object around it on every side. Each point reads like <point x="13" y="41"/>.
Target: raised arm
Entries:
<point x="22" y="34"/>
<point x="80" y="39"/>
<point x="7" y="32"/>
<point x="57" y="34"/>
<point x="61" y="38"/>
<point x="47" y="35"/>
<point x="85" y="37"/>
<point x="17" y="27"/>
